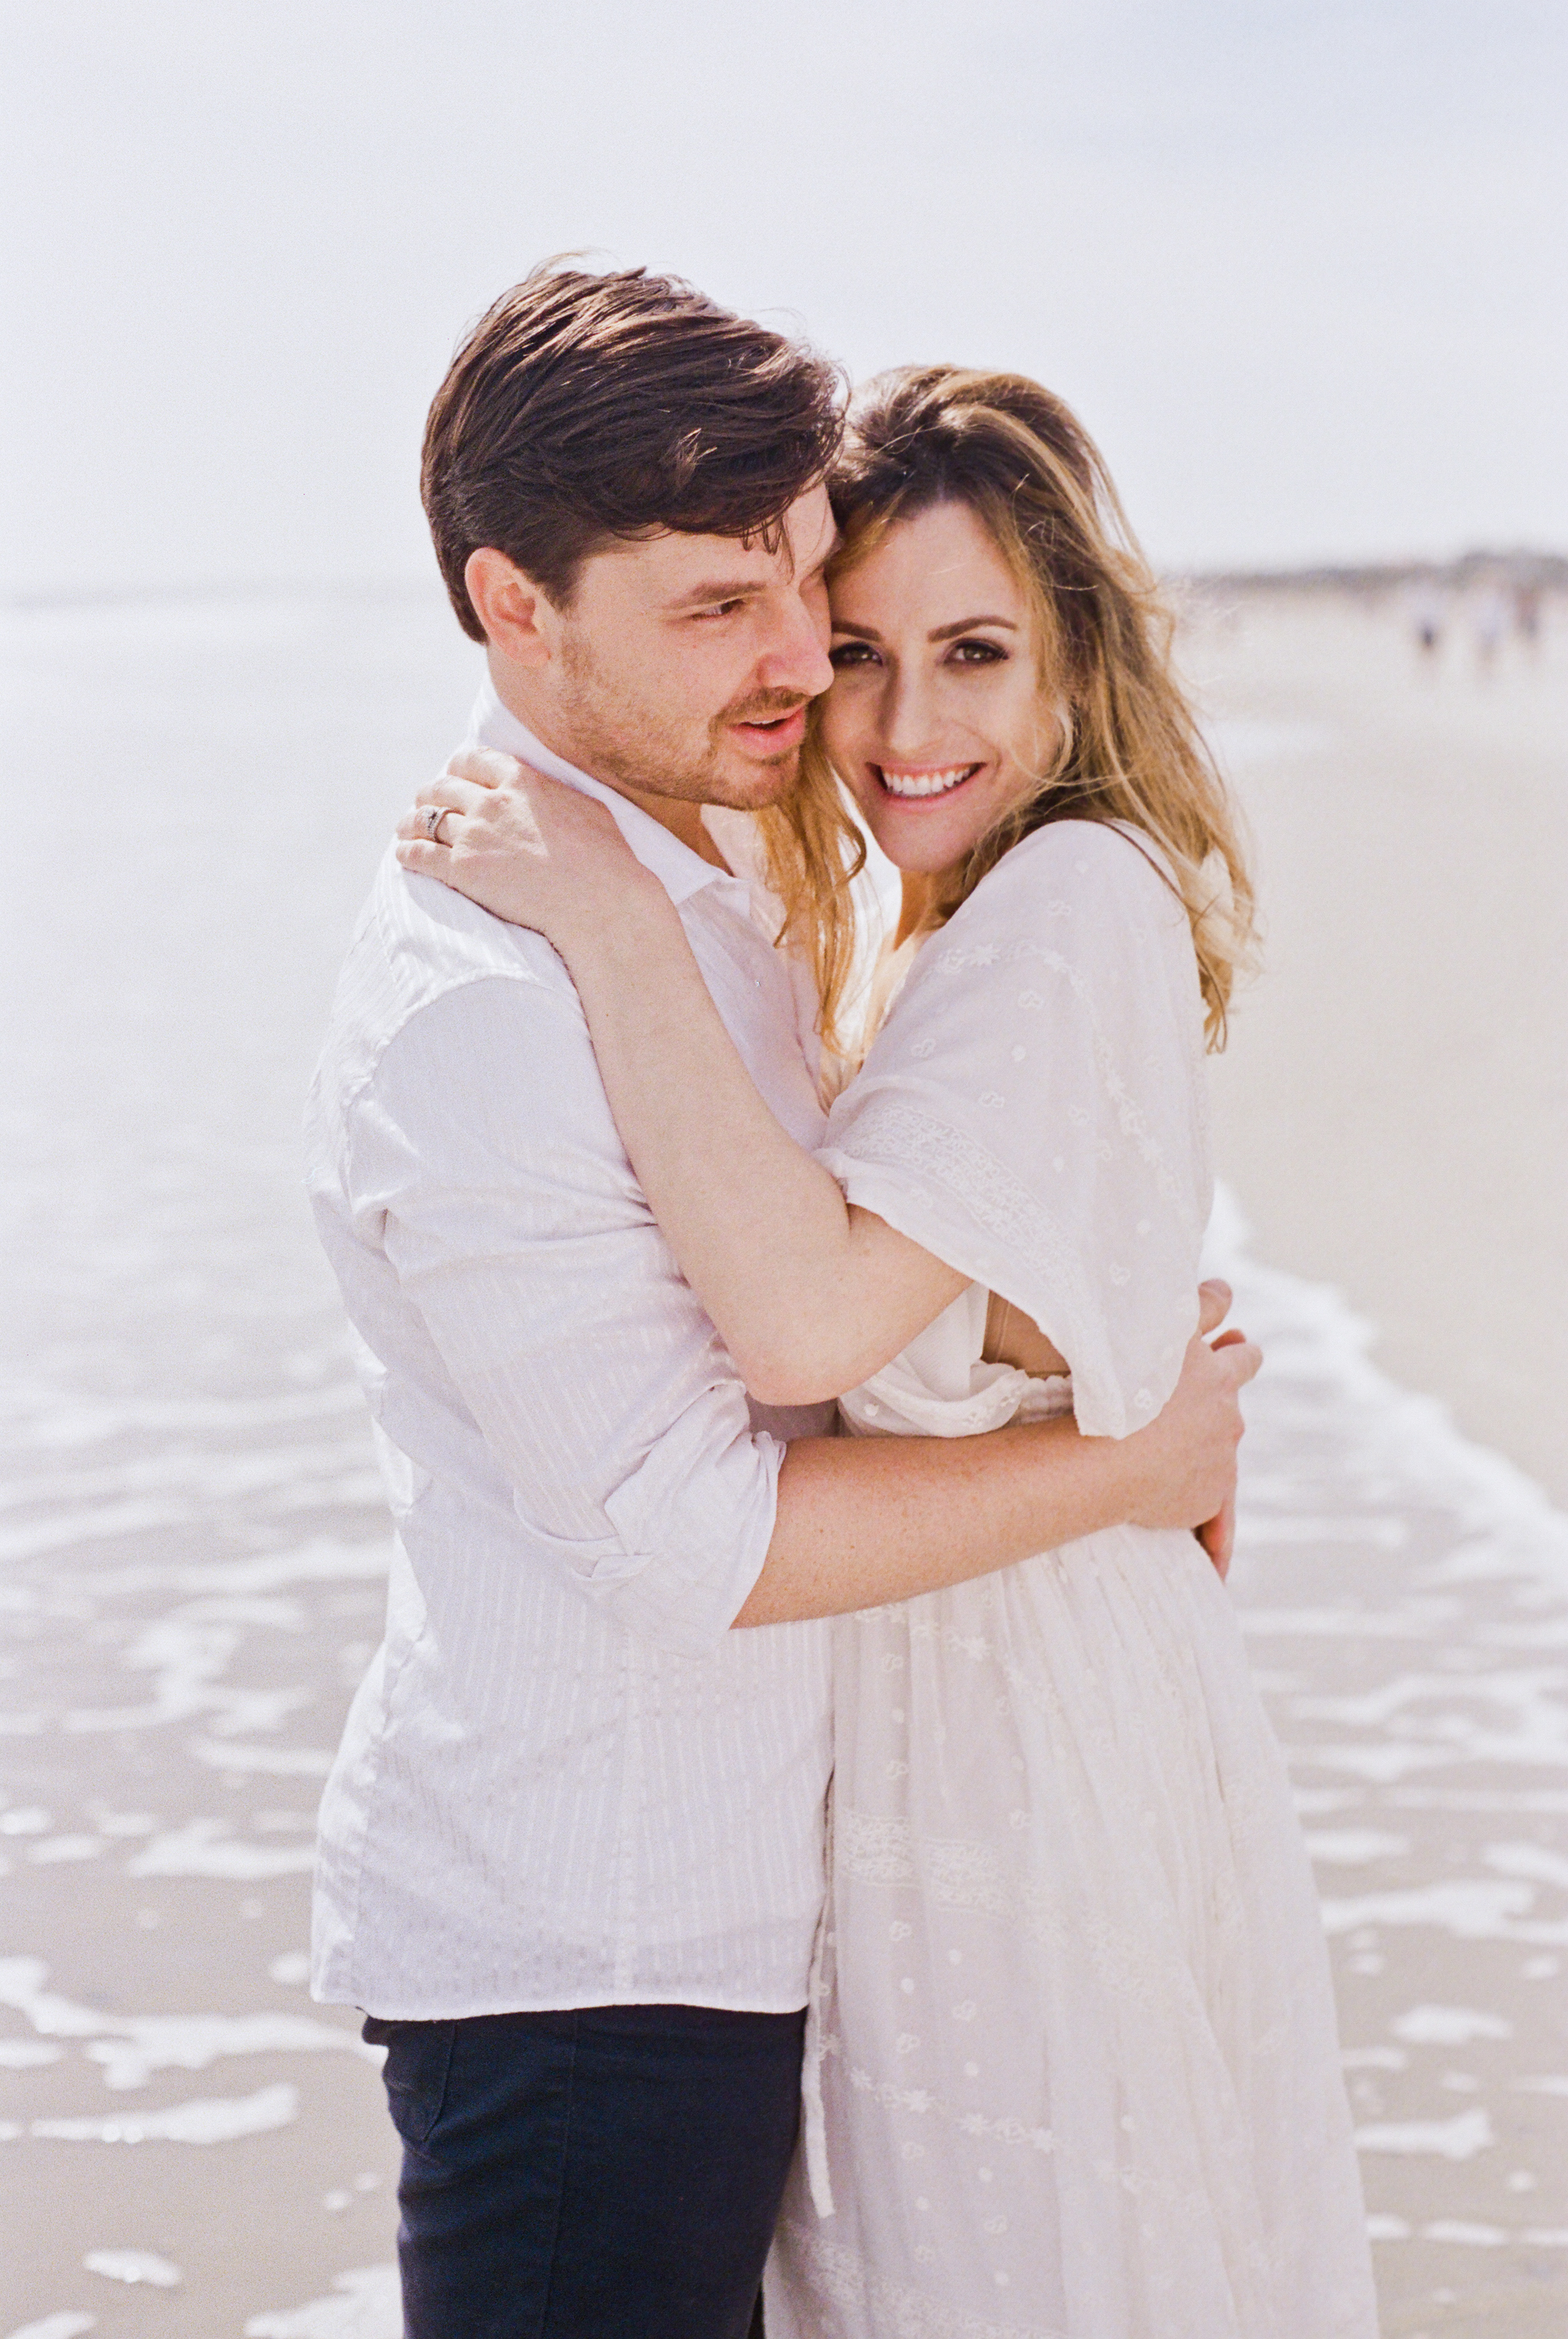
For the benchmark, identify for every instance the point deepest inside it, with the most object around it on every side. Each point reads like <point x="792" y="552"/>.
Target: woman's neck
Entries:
<point x="914" y="907"/>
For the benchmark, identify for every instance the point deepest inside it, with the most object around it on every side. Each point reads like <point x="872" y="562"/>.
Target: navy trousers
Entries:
<point x="613" y="2173"/>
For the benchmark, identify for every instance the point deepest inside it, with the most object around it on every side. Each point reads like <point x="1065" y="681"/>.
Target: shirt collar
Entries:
<point x="681" y="871"/>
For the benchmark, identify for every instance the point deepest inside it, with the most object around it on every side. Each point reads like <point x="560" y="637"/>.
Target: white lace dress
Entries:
<point x="1072" y="2025"/>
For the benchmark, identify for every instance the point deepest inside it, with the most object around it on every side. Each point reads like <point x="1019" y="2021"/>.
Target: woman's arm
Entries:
<point x="810" y="1296"/>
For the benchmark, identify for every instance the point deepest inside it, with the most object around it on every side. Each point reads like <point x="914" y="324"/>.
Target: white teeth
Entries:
<point x="924" y="783"/>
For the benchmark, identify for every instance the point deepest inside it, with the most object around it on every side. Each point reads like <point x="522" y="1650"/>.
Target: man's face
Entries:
<point x="684" y="664"/>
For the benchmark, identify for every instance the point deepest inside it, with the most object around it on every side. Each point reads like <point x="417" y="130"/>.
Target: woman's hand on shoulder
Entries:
<point x="525" y="847"/>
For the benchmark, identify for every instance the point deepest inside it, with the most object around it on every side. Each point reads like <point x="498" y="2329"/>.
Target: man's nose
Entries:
<point x="795" y="657"/>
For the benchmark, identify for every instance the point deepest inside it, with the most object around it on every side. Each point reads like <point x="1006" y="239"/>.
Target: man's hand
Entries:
<point x="1218" y="1534"/>
<point x="1186" y="1457"/>
<point x="523" y="846"/>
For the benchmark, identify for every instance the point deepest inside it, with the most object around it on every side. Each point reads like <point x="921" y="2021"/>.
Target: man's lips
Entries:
<point x="771" y="735"/>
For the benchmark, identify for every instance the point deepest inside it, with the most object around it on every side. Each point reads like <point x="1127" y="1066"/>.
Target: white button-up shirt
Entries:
<point x="564" y="1780"/>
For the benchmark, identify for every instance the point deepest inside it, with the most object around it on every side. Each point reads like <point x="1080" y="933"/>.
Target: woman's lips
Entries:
<point x="923" y="783"/>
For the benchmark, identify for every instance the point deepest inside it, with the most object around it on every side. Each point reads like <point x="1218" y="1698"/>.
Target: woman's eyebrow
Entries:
<point x="939" y="634"/>
<point x="967" y="626"/>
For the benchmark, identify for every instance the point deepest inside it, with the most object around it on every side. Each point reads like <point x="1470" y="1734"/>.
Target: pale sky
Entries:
<point x="1301" y="267"/>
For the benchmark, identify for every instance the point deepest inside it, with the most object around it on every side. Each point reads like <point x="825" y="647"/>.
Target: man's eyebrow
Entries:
<point x="736" y="588"/>
<point x="721" y="589"/>
<point x="967" y="626"/>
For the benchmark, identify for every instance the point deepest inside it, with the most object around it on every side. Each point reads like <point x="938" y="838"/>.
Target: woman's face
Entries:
<point x="936" y="719"/>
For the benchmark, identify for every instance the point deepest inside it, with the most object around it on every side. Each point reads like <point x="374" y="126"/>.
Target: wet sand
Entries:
<point x="1405" y="1596"/>
<point x="193" y="1544"/>
<point x="191" y="1537"/>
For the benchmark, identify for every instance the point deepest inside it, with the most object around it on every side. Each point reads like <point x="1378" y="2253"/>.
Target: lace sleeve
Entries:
<point x="1032" y="1111"/>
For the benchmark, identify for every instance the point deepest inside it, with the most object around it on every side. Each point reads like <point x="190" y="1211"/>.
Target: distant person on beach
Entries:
<point x="1070" y="2062"/>
<point x="1491" y="613"/>
<point x="1427" y="606"/>
<point x="1527" y="613"/>
<point x="572" y="1851"/>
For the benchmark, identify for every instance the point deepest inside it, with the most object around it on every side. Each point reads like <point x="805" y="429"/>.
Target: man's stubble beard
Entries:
<point x="619" y="739"/>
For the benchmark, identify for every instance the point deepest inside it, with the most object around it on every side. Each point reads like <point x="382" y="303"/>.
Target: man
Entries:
<point x="572" y="1847"/>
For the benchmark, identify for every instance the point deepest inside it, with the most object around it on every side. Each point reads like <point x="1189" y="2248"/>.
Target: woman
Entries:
<point x="1074" y="2068"/>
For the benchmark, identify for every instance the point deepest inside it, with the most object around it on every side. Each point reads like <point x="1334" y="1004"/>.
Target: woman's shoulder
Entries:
<point x="1065" y="872"/>
<point x="1099" y="852"/>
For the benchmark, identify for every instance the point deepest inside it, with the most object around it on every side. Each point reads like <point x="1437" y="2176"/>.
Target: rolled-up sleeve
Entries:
<point x="485" y="1163"/>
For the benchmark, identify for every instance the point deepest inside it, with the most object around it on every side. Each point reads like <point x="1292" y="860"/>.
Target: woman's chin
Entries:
<point x="923" y="835"/>
<point x="922" y="845"/>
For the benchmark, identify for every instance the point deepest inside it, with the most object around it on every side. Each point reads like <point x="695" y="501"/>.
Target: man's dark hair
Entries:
<point x="582" y="410"/>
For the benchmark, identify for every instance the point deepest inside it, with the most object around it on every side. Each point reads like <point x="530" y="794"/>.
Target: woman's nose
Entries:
<point x="907" y="714"/>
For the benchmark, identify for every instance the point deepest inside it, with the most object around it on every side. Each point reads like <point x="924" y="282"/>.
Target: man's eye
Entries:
<point x="719" y="609"/>
<point x="844" y="654"/>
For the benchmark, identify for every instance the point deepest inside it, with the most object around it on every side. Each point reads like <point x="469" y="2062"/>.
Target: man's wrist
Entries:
<point x="1092" y="1480"/>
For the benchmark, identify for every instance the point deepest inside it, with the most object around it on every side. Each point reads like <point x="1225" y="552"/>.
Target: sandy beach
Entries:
<point x="191" y="1539"/>
<point x="1393" y="1105"/>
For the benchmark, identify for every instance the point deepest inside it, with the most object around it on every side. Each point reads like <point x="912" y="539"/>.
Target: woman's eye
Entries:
<point x="844" y="654"/>
<point x="977" y="653"/>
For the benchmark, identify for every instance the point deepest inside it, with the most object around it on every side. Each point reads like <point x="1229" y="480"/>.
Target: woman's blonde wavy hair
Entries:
<point x="1131" y="750"/>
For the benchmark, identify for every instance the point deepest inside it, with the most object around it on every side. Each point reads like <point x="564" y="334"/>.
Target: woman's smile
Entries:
<point x="908" y="784"/>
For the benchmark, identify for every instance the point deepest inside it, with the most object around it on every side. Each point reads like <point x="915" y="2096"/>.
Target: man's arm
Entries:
<point x="861" y="1521"/>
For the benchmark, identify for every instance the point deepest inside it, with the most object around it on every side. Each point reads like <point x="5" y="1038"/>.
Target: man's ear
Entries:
<point x="517" y="615"/>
